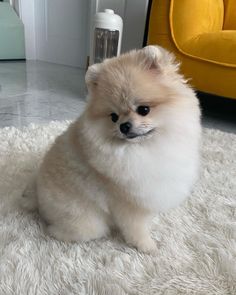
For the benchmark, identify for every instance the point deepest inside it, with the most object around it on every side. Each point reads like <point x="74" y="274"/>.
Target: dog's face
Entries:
<point x="128" y="94"/>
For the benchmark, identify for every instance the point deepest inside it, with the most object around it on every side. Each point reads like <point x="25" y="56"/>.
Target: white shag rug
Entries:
<point x="196" y="241"/>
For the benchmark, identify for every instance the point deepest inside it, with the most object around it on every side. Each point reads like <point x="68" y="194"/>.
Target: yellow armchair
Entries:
<point x="202" y="34"/>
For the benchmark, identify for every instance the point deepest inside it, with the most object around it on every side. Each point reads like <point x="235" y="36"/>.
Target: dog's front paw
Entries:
<point x="147" y="246"/>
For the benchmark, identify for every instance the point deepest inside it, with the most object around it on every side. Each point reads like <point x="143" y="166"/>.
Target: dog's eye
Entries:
<point x="114" y="117"/>
<point x="143" y="110"/>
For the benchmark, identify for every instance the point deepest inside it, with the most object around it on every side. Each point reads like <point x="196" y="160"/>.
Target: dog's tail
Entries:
<point x="29" y="197"/>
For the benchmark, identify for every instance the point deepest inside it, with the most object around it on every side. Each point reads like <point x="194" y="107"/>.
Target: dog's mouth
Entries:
<point x="132" y="135"/>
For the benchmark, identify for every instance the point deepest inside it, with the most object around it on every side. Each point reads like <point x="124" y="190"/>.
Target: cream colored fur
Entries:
<point x="94" y="178"/>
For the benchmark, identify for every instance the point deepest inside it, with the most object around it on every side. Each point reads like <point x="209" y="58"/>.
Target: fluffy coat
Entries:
<point x="95" y="177"/>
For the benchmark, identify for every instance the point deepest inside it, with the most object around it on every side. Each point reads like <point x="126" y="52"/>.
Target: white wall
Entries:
<point x="62" y="31"/>
<point x="55" y="30"/>
<point x="58" y="30"/>
<point x="134" y="24"/>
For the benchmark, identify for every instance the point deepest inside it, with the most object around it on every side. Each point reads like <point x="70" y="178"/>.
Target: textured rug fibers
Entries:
<point x="196" y="241"/>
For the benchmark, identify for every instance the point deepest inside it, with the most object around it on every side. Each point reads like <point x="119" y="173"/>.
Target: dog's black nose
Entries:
<point x="125" y="127"/>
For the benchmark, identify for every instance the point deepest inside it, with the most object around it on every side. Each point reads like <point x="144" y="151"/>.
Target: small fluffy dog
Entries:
<point x="132" y="153"/>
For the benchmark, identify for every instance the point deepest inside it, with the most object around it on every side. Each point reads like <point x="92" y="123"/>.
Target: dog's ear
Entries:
<point x="92" y="74"/>
<point x="158" y="59"/>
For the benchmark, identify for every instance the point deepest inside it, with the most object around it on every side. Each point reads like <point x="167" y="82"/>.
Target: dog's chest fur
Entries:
<point x="157" y="175"/>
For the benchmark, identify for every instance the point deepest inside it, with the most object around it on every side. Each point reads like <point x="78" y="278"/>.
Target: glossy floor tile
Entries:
<point x="39" y="92"/>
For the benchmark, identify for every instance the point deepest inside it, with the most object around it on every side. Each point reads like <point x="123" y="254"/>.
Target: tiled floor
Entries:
<point x="38" y="92"/>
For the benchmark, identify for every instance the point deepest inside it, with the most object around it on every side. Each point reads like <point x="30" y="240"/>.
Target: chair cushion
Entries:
<point x="218" y="47"/>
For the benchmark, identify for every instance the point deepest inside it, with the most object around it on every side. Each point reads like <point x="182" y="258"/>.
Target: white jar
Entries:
<point x="106" y="35"/>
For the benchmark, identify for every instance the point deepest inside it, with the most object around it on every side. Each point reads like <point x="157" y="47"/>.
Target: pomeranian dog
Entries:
<point x="133" y="152"/>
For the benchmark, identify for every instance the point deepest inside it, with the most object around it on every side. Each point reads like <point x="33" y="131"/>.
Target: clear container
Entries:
<point x="106" y="36"/>
<point x="105" y="44"/>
